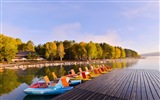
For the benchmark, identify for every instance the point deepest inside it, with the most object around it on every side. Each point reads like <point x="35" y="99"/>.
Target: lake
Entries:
<point x="23" y="78"/>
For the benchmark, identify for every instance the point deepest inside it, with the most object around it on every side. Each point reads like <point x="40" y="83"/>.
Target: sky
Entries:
<point x="129" y="24"/>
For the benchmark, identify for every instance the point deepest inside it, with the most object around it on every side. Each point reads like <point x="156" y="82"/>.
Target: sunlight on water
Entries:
<point x="148" y="63"/>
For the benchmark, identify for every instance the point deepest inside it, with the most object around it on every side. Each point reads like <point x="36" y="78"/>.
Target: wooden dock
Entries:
<point x="119" y="84"/>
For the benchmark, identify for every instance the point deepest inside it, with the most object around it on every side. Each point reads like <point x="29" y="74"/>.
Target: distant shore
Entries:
<point x="18" y="65"/>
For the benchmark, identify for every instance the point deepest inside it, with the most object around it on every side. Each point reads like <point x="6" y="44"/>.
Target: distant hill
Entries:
<point x="151" y="54"/>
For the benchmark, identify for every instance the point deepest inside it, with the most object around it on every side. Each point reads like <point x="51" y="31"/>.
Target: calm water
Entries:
<point x="31" y="75"/>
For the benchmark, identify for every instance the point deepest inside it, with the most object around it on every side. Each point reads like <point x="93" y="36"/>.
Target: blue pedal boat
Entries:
<point x="50" y="88"/>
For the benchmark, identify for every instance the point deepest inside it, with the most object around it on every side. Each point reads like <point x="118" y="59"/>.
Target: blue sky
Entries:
<point x="133" y="25"/>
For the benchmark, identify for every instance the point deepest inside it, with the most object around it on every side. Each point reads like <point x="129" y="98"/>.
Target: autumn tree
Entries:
<point x="99" y="51"/>
<point x="50" y="50"/>
<point x="123" y="54"/>
<point x="91" y="50"/>
<point x="8" y="48"/>
<point x="19" y="43"/>
<point x="30" y="46"/>
<point x="111" y="52"/>
<point x="117" y="53"/>
<point x="82" y="50"/>
<point x="61" y="52"/>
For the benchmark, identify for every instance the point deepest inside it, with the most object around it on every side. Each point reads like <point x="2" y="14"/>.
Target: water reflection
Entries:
<point x="11" y="79"/>
<point x="8" y="81"/>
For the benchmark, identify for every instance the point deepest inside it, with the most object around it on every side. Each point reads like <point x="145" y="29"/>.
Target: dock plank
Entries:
<point x="120" y="84"/>
<point x="152" y="86"/>
<point x="149" y="94"/>
<point x="129" y="91"/>
<point x="134" y="89"/>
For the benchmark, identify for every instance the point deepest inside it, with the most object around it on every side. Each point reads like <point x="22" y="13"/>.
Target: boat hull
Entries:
<point x="46" y="91"/>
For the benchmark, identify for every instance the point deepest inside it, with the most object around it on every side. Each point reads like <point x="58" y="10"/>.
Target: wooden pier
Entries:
<point x="119" y="84"/>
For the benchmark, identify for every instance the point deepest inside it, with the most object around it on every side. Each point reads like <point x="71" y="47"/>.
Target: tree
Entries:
<point x="67" y="49"/>
<point x="123" y="54"/>
<point x="30" y="46"/>
<point x="61" y="52"/>
<point x="91" y="50"/>
<point x="74" y="50"/>
<point x="82" y="50"/>
<point x="111" y="52"/>
<point x="40" y="49"/>
<point x="99" y="51"/>
<point x="22" y="47"/>
<point x="8" y="48"/>
<point x="105" y="47"/>
<point x="117" y="53"/>
<point x="19" y="43"/>
<point x="50" y="50"/>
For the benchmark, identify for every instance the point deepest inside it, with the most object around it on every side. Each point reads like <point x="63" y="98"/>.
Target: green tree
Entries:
<point x="50" y="50"/>
<point x="30" y="46"/>
<point x="40" y="49"/>
<point x="111" y="52"/>
<point x="61" y="52"/>
<point x="67" y="49"/>
<point x="22" y="47"/>
<point x="82" y="50"/>
<point x="74" y="50"/>
<point x="8" y="48"/>
<point x="99" y="51"/>
<point x="106" y="50"/>
<point x="19" y="43"/>
<point x="91" y="50"/>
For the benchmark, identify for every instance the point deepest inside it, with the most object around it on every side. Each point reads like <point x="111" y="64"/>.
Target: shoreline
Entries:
<point x="40" y="64"/>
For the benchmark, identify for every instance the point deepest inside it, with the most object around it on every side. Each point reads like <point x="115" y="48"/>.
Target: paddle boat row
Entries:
<point x="65" y="83"/>
<point x="89" y="74"/>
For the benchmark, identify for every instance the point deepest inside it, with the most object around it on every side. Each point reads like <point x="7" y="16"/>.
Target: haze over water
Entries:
<point x="152" y="62"/>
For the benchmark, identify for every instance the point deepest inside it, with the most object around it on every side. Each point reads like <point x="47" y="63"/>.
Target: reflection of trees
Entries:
<point x="26" y="79"/>
<point x="124" y="64"/>
<point x="113" y="65"/>
<point x="119" y="64"/>
<point x="44" y="71"/>
<point x="58" y="70"/>
<point x="8" y="81"/>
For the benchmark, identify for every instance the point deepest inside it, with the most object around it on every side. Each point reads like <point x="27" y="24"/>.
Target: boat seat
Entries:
<point x="48" y="81"/>
<point x="64" y="82"/>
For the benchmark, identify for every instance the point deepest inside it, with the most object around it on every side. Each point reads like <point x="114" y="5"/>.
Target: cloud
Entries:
<point x="72" y="31"/>
<point x="110" y="37"/>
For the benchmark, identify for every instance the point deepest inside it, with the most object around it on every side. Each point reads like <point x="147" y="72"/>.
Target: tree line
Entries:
<point x="67" y="50"/>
